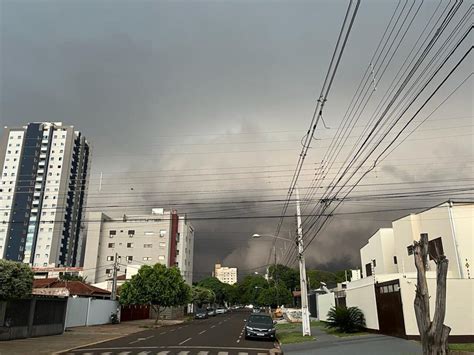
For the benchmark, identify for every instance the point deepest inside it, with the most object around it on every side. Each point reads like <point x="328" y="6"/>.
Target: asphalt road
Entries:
<point x="220" y="335"/>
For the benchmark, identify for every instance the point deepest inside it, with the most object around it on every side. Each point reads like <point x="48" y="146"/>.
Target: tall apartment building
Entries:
<point x="225" y="274"/>
<point x="43" y="185"/>
<point x="162" y="237"/>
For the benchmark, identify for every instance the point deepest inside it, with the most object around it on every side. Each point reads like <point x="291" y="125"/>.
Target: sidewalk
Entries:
<point x="78" y="336"/>
<point x="326" y="344"/>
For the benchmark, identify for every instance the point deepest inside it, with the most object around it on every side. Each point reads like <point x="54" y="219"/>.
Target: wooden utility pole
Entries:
<point x="434" y="334"/>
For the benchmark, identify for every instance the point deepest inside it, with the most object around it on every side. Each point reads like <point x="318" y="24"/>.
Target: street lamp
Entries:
<point x="303" y="282"/>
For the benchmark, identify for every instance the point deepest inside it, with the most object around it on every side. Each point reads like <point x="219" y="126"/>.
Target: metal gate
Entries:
<point x="389" y="308"/>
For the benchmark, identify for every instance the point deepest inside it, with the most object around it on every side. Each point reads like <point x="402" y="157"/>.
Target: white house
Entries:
<point x="387" y="290"/>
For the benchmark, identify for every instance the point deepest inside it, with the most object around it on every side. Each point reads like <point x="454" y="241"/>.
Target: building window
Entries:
<point x="395" y="260"/>
<point x="147" y="245"/>
<point x="108" y="271"/>
<point x="374" y="263"/>
<point x="129" y="245"/>
<point x="162" y="244"/>
<point x="368" y="269"/>
<point x="149" y="233"/>
<point x="112" y="233"/>
<point x="162" y="233"/>
<point x="111" y="245"/>
<point x="131" y="233"/>
<point x="110" y="258"/>
<point x="410" y="249"/>
<point x="129" y="259"/>
<point x="146" y="258"/>
<point x="161" y="257"/>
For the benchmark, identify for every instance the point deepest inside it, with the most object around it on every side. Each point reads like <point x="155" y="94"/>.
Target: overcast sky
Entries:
<point x="208" y="100"/>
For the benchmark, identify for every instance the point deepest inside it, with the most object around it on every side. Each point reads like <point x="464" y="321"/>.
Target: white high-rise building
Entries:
<point x="163" y="237"/>
<point x="225" y="274"/>
<point x="44" y="170"/>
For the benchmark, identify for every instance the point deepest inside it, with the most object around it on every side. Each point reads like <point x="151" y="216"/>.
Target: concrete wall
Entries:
<point x="88" y="311"/>
<point x="100" y="311"/>
<point x="459" y="305"/>
<point x="76" y="314"/>
<point x="361" y="294"/>
<point x="325" y="303"/>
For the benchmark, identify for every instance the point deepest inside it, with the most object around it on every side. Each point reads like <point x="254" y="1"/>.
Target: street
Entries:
<point x="221" y="335"/>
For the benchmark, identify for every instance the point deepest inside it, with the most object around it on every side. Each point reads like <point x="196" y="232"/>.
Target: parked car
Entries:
<point x="201" y="314"/>
<point x="211" y="312"/>
<point x="256" y="310"/>
<point x="260" y="326"/>
<point x="220" y="310"/>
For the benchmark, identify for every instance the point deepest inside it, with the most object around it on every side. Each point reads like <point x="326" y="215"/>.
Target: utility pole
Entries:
<point x="303" y="283"/>
<point x="276" y="274"/>
<point x="113" y="296"/>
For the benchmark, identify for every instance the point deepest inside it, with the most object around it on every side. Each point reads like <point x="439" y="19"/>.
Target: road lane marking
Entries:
<point x="162" y="353"/>
<point x="213" y="326"/>
<point x="262" y="353"/>
<point x="124" y="353"/>
<point x="203" y="353"/>
<point x="183" y="353"/>
<point x="143" y="353"/>
<point x="241" y="353"/>
<point x="162" y="333"/>
<point x="184" y="341"/>
<point x="171" y="347"/>
<point x="223" y="353"/>
<point x="203" y="331"/>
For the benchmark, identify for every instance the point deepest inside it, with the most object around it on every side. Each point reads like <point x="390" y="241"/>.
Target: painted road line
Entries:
<point x="203" y="353"/>
<point x="143" y="353"/>
<point x="262" y="353"/>
<point x="222" y="353"/>
<point x="213" y="326"/>
<point x="183" y="353"/>
<point x="184" y="341"/>
<point x="173" y="347"/>
<point x="124" y="353"/>
<point x="163" y="333"/>
<point x="162" y="353"/>
<point x="241" y="353"/>
<point x="203" y="331"/>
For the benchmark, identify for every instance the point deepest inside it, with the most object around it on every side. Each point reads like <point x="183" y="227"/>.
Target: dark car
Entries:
<point x="201" y="314"/>
<point x="260" y="326"/>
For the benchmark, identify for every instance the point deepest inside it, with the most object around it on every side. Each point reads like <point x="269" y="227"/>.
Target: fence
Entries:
<point x="89" y="311"/>
<point x="32" y="317"/>
<point x="134" y="312"/>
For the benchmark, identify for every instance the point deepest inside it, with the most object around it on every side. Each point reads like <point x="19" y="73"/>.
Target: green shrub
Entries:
<point x="346" y="320"/>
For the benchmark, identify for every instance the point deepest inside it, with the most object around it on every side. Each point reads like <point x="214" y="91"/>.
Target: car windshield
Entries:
<point x="201" y="310"/>
<point x="264" y="320"/>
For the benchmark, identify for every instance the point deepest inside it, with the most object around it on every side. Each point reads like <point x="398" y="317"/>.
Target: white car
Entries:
<point x="220" y="310"/>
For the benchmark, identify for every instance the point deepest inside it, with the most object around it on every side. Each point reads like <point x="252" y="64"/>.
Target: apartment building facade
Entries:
<point x="43" y="187"/>
<point x="225" y="274"/>
<point x="162" y="237"/>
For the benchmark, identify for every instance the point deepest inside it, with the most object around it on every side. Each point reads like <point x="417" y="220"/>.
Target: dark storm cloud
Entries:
<point x="139" y="78"/>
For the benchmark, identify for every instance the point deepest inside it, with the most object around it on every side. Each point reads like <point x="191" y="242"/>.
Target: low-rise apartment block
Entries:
<point x="135" y="240"/>
<point x="225" y="274"/>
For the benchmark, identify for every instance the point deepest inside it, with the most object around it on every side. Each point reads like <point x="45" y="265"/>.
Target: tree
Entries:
<point x="290" y="277"/>
<point x="218" y="287"/>
<point x="16" y="280"/>
<point x="158" y="286"/>
<point x="202" y="296"/>
<point x="315" y="277"/>
<point x="275" y="295"/>
<point x="250" y="288"/>
<point x="434" y="334"/>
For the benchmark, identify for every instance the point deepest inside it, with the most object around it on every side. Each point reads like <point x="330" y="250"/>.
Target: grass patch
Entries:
<point x="462" y="347"/>
<point x="293" y="337"/>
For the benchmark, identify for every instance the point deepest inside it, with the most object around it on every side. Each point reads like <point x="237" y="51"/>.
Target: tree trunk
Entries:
<point x="434" y="335"/>
<point x="157" y="310"/>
